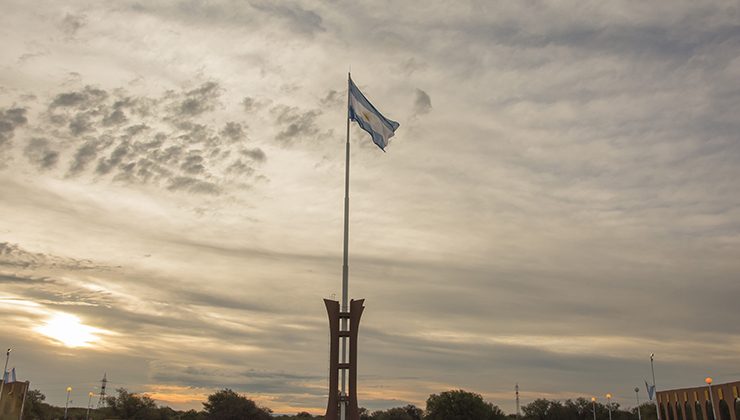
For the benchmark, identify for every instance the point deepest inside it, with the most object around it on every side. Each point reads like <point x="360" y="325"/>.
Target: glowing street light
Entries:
<point x="66" y="405"/>
<point x="708" y="380"/>
<point x="593" y="403"/>
<point x="637" y="395"/>
<point x="89" y="404"/>
<point x="609" y="404"/>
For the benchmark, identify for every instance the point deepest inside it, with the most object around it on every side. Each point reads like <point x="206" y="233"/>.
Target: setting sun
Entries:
<point x="69" y="331"/>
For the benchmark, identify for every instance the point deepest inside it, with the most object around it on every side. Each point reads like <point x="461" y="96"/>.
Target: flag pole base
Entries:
<point x="336" y="399"/>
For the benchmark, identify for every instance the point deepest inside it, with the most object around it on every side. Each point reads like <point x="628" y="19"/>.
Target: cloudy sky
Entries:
<point x="561" y="199"/>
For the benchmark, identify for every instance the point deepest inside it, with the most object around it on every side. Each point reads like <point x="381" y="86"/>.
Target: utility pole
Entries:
<point x="103" y="383"/>
<point x="517" y="400"/>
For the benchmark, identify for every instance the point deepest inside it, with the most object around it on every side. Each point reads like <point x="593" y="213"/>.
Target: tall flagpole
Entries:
<point x="7" y="354"/>
<point x="345" y="265"/>
<point x="655" y="390"/>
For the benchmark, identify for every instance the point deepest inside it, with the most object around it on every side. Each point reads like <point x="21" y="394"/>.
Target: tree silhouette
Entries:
<point x="228" y="405"/>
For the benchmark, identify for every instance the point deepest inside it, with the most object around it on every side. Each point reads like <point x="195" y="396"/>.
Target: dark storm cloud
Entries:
<point x="116" y="117"/>
<point x="144" y="140"/>
<point x="87" y="152"/>
<point x="39" y="152"/>
<point x="249" y="104"/>
<point x="170" y="155"/>
<point x="50" y="293"/>
<point x="255" y="154"/>
<point x="141" y="171"/>
<point x="258" y="14"/>
<point x="19" y="279"/>
<point x="214" y="300"/>
<point x="12" y="255"/>
<point x="233" y="131"/>
<point x="56" y="294"/>
<point x="241" y="380"/>
<point x="422" y="103"/>
<point x="29" y="56"/>
<point x="295" y="124"/>
<point x="194" y="185"/>
<point x="86" y="98"/>
<point x="193" y="134"/>
<point x="137" y="129"/>
<point x="295" y="16"/>
<point x="193" y="163"/>
<point x="117" y="155"/>
<point x="201" y="99"/>
<point x="333" y="98"/>
<point x="81" y="124"/>
<point x="72" y="23"/>
<point x="10" y="119"/>
<point x="238" y="167"/>
<point x="620" y="39"/>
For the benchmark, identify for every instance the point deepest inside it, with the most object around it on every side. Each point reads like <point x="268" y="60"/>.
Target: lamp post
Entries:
<point x="711" y="397"/>
<point x="66" y="405"/>
<point x="89" y="404"/>
<point x="609" y="404"/>
<point x="593" y="404"/>
<point x="655" y="390"/>
<point x="637" y="395"/>
<point x="5" y="370"/>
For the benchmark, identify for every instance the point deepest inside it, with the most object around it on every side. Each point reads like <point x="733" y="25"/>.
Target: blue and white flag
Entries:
<point x="369" y="118"/>
<point x="650" y="390"/>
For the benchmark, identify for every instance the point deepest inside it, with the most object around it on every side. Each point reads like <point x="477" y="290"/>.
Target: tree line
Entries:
<point x="227" y="404"/>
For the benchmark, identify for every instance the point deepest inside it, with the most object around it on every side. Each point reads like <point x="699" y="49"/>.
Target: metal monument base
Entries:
<point x="335" y="365"/>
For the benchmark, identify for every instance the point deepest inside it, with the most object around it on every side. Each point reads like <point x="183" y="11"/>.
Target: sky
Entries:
<point x="560" y="200"/>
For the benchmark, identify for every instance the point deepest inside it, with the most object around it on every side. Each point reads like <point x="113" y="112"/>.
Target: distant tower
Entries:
<point x="103" y="383"/>
<point x="517" y="400"/>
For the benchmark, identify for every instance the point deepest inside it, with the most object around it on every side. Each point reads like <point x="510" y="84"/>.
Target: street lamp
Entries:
<point x="711" y="397"/>
<point x="637" y="395"/>
<point x="66" y="405"/>
<point x="609" y="404"/>
<point x="593" y="403"/>
<point x="5" y="371"/>
<point x="89" y="404"/>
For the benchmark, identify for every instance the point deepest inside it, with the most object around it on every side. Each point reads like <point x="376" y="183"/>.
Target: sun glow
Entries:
<point x="68" y="330"/>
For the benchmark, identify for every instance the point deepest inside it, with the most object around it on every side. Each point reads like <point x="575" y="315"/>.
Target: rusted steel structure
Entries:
<point x="337" y="333"/>
<point x="698" y="403"/>
<point x="13" y="399"/>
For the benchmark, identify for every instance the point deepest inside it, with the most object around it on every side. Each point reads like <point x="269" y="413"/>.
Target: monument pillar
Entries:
<point x="356" y="308"/>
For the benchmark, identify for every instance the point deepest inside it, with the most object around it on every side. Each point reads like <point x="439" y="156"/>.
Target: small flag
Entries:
<point x="650" y="390"/>
<point x="12" y="375"/>
<point x="369" y="118"/>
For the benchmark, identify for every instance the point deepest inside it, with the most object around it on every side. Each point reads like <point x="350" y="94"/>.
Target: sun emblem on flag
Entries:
<point x="366" y="115"/>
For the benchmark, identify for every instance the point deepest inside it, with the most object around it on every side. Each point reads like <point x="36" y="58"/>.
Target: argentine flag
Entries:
<point x="369" y="118"/>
